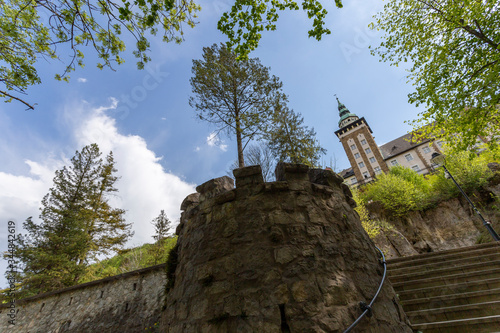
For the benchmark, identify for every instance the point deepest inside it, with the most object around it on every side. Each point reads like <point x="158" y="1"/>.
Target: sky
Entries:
<point x="162" y="151"/>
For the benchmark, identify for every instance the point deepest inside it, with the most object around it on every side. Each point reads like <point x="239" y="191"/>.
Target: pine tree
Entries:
<point x="77" y="225"/>
<point x="162" y="226"/>
<point x="236" y="96"/>
<point x="289" y="139"/>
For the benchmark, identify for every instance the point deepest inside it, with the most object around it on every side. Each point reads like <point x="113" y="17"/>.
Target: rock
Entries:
<point x="214" y="187"/>
<point x="495" y="167"/>
<point x="190" y="201"/>
<point x="325" y="177"/>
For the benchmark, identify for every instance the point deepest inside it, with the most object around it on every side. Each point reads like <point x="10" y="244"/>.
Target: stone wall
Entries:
<point x="125" y="303"/>
<point x="285" y="256"/>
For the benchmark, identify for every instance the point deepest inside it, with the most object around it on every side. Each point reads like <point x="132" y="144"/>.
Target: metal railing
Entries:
<point x="367" y="308"/>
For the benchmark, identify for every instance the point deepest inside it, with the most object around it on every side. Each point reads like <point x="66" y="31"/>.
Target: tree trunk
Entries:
<point x="241" y="161"/>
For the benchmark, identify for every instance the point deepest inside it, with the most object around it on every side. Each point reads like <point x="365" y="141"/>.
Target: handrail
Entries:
<point x="368" y="308"/>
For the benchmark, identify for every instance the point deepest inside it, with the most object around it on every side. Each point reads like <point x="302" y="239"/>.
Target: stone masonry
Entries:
<point x="126" y="303"/>
<point x="285" y="256"/>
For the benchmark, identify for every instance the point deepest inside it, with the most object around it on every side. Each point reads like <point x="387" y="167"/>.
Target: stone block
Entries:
<point x="191" y="200"/>
<point x="214" y="187"/>
<point x="291" y="172"/>
<point x="325" y="177"/>
<point x="248" y="176"/>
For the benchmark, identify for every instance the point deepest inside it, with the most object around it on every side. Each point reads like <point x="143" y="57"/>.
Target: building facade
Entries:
<point x="367" y="159"/>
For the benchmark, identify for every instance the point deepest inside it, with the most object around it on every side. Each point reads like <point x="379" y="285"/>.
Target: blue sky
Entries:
<point x="162" y="152"/>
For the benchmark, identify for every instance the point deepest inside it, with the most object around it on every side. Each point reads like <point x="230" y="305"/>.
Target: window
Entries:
<point x="353" y="180"/>
<point x="394" y="163"/>
<point x="426" y="150"/>
<point x="365" y="174"/>
<point x="377" y="170"/>
<point x="357" y="155"/>
<point x="415" y="168"/>
<point x="368" y="150"/>
<point x="363" y="142"/>
<point x="408" y="157"/>
<point x="361" y="165"/>
<point x="353" y="147"/>
<point x="372" y="159"/>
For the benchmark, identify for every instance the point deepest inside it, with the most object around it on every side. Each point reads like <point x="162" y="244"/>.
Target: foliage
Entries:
<point x="236" y="96"/>
<point x="403" y="190"/>
<point x="455" y="52"/>
<point x="247" y="19"/>
<point x="130" y="260"/>
<point x="162" y="226"/>
<point x="289" y="139"/>
<point x="76" y="25"/>
<point x="369" y="225"/>
<point x="470" y="171"/>
<point x="396" y="194"/>
<point x="78" y="224"/>
<point x="172" y="262"/>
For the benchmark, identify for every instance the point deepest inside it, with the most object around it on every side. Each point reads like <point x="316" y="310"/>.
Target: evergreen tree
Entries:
<point x="77" y="224"/>
<point x="289" y="139"/>
<point x="236" y="96"/>
<point x="162" y="226"/>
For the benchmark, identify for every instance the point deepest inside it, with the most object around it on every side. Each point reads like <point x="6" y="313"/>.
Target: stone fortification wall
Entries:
<point x="125" y="303"/>
<point x="285" y="256"/>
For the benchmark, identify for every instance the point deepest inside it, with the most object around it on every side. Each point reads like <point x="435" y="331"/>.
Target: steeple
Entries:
<point x="345" y="115"/>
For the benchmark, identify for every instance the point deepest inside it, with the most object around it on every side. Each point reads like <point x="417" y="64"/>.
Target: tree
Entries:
<point x="259" y="154"/>
<point x="77" y="24"/>
<point x="247" y="19"/>
<point x="77" y="225"/>
<point x="455" y="50"/>
<point x="236" y="96"/>
<point x="289" y="139"/>
<point x="162" y="226"/>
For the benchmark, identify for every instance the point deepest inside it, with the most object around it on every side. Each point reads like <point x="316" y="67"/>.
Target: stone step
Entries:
<point x="456" y="312"/>
<point x="445" y="280"/>
<point x="429" y="257"/>
<point x="452" y="263"/>
<point x="452" y="289"/>
<point x="443" y="301"/>
<point x="447" y="271"/>
<point x="471" y="325"/>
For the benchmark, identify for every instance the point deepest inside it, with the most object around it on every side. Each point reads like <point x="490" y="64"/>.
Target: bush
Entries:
<point x="396" y="194"/>
<point x="403" y="190"/>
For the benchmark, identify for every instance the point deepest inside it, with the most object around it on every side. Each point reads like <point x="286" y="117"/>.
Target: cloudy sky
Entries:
<point x="162" y="151"/>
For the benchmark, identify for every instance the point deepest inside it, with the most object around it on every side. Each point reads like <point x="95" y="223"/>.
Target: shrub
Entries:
<point x="396" y="194"/>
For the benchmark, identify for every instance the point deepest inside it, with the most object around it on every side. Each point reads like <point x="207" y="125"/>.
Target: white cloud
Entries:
<point x="82" y="80"/>
<point x="197" y="149"/>
<point x="214" y="141"/>
<point x="144" y="187"/>
<point x="163" y="118"/>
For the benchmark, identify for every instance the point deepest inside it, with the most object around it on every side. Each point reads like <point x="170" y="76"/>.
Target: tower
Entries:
<point x="356" y="137"/>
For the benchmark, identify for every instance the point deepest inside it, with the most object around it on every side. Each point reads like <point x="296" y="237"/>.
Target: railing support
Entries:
<point x="367" y="308"/>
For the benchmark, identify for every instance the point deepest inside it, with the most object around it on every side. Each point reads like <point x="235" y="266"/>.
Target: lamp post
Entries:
<point x="438" y="160"/>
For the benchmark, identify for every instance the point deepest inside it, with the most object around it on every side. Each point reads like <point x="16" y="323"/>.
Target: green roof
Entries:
<point x="344" y="113"/>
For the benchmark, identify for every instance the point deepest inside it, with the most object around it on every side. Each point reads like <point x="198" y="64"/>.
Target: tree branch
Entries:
<point x="30" y="107"/>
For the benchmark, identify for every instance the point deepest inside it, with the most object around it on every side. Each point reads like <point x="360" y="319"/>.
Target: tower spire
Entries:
<point x="345" y="115"/>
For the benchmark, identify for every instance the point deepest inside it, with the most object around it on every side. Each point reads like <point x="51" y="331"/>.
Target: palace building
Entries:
<point x="367" y="159"/>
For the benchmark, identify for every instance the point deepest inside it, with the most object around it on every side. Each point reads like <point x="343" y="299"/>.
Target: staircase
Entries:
<point x="451" y="291"/>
